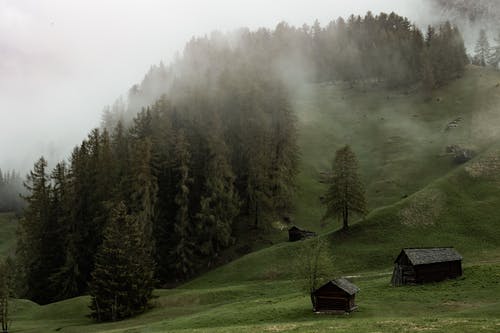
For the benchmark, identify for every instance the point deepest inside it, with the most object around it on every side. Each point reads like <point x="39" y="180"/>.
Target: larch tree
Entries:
<point x="345" y="193"/>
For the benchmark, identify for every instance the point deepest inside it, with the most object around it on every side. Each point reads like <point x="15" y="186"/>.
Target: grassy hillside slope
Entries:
<point x="399" y="138"/>
<point x="400" y="141"/>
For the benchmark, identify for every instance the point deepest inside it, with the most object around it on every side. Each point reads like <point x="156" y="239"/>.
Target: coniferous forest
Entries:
<point x="202" y="150"/>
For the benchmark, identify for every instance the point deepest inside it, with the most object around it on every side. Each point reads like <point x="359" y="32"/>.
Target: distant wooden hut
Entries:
<point x="421" y="265"/>
<point x="336" y="296"/>
<point x="296" y="234"/>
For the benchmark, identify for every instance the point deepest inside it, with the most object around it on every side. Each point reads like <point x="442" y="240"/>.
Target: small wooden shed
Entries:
<point x="422" y="265"/>
<point x="296" y="234"/>
<point x="336" y="296"/>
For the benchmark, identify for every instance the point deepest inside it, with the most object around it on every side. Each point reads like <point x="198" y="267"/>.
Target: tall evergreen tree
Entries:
<point x="285" y="152"/>
<point x="33" y="228"/>
<point x="345" y="193"/>
<point x="183" y="229"/>
<point x="482" y="49"/>
<point x="428" y="79"/>
<point x="429" y="36"/>
<point x="145" y="188"/>
<point x="494" y="60"/>
<point x="56" y="233"/>
<point x="122" y="281"/>
<point x="219" y="204"/>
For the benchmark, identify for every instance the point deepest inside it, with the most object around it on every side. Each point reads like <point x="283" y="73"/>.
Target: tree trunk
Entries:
<point x="5" y="315"/>
<point x="256" y="215"/>
<point x="345" y="216"/>
<point x="313" y="301"/>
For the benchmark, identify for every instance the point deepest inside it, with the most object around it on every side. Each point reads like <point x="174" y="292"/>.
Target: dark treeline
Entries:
<point x="185" y="169"/>
<point x="203" y="150"/>
<point x="11" y="187"/>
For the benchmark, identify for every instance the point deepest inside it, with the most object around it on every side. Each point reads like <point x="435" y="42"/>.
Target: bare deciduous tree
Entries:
<point x="314" y="264"/>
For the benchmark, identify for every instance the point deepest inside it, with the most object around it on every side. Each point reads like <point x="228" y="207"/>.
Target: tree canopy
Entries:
<point x="345" y="192"/>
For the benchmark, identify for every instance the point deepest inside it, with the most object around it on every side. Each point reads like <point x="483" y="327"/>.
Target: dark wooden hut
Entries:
<point x="336" y="296"/>
<point x="296" y="234"/>
<point x="421" y="265"/>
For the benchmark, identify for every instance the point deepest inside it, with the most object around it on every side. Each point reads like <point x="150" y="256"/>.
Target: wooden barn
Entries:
<point x="296" y="234"/>
<point x="336" y="296"/>
<point x="421" y="265"/>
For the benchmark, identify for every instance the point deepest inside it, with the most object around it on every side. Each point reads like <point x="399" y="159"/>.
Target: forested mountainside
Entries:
<point x="386" y="49"/>
<point x="203" y="145"/>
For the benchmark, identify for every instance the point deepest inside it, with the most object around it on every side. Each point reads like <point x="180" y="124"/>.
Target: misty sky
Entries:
<point x="62" y="61"/>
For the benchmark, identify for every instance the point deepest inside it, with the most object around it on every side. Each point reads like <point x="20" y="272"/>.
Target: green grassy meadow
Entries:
<point x="417" y="197"/>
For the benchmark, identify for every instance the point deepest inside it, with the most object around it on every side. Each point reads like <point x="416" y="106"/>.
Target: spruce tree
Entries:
<point x="145" y="188"/>
<point x="56" y="233"/>
<point x="64" y="281"/>
<point x="284" y="154"/>
<point x="183" y="229"/>
<point x="219" y="204"/>
<point x="494" y="60"/>
<point x="345" y="193"/>
<point x="122" y="281"/>
<point x="33" y="228"/>
<point x="482" y="49"/>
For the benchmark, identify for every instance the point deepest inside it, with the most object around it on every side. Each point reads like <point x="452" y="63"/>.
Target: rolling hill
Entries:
<point x="418" y="197"/>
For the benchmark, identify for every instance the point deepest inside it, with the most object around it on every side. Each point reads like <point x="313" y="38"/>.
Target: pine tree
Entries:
<point x="482" y="49"/>
<point x="122" y="281"/>
<point x="345" y="193"/>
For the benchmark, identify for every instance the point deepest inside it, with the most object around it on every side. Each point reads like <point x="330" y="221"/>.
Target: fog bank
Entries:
<point x="61" y="62"/>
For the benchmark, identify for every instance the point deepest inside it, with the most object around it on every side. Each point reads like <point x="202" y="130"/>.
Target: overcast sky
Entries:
<point x="62" y="61"/>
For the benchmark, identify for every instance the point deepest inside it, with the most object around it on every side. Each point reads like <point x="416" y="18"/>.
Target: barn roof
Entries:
<point x="343" y="284"/>
<point x="422" y="256"/>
